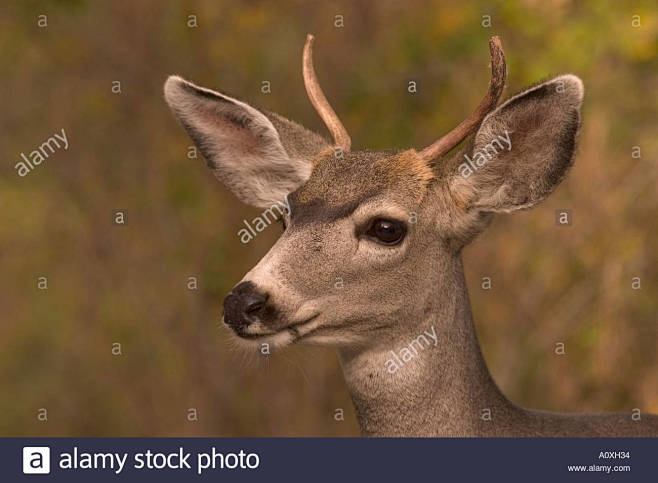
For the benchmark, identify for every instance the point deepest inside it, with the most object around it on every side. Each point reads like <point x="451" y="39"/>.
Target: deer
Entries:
<point x="390" y="226"/>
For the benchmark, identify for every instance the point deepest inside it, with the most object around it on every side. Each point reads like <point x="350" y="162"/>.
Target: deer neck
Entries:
<point x="443" y="389"/>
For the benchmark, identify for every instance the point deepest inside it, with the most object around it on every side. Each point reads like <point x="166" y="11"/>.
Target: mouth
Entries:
<point x="294" y="331"/>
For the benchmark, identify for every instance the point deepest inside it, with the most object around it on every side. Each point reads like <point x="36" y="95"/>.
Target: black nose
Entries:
<point x="243" y="306"/>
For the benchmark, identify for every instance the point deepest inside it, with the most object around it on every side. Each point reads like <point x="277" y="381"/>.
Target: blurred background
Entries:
<point x="128" y="283"/>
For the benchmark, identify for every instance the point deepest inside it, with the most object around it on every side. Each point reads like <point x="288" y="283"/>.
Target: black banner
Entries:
<point x="331" y="460"/>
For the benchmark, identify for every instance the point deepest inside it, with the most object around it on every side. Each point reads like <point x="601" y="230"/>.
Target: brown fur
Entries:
<point x="369" y="173"/>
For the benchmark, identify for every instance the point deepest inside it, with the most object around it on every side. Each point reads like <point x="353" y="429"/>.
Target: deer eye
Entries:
<point x="387" y="232"/>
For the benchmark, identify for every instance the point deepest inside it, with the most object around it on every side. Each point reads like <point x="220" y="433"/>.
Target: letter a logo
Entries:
<point x="36" y="460"/>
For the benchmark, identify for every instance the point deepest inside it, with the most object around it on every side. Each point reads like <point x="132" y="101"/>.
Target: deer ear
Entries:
<point x="522" y="150"/>
<point x="259" y="156"/>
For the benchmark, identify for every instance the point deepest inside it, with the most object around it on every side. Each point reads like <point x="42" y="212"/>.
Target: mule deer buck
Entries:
<point x="390" y="226"/>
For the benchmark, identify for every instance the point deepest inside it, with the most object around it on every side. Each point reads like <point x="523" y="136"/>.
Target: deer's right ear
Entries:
<point x="260" y="157"/>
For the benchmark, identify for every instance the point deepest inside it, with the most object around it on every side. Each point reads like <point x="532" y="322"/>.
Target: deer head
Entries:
<point x="372" y="241"/>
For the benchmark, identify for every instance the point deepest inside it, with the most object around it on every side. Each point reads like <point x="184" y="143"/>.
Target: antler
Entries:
<point x="468" y="125"/>
<point x="319" y="101"/>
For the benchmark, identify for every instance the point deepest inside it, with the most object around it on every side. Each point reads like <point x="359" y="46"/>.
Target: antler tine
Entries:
<point x="489" y="102"/>
<point x="319" y="101"/>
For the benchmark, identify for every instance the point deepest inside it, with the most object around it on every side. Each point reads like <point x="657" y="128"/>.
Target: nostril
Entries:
<point x="244" y="306"/>
<point x="253" y="304"/>
<point x="255" y="308"/>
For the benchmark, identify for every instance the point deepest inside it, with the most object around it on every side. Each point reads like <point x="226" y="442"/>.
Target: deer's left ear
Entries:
<point x="259" y="156"/>
<point x="522" y="150"/>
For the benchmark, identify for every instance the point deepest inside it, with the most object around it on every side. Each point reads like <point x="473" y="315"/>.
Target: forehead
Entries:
<point x="338" y="184"/>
